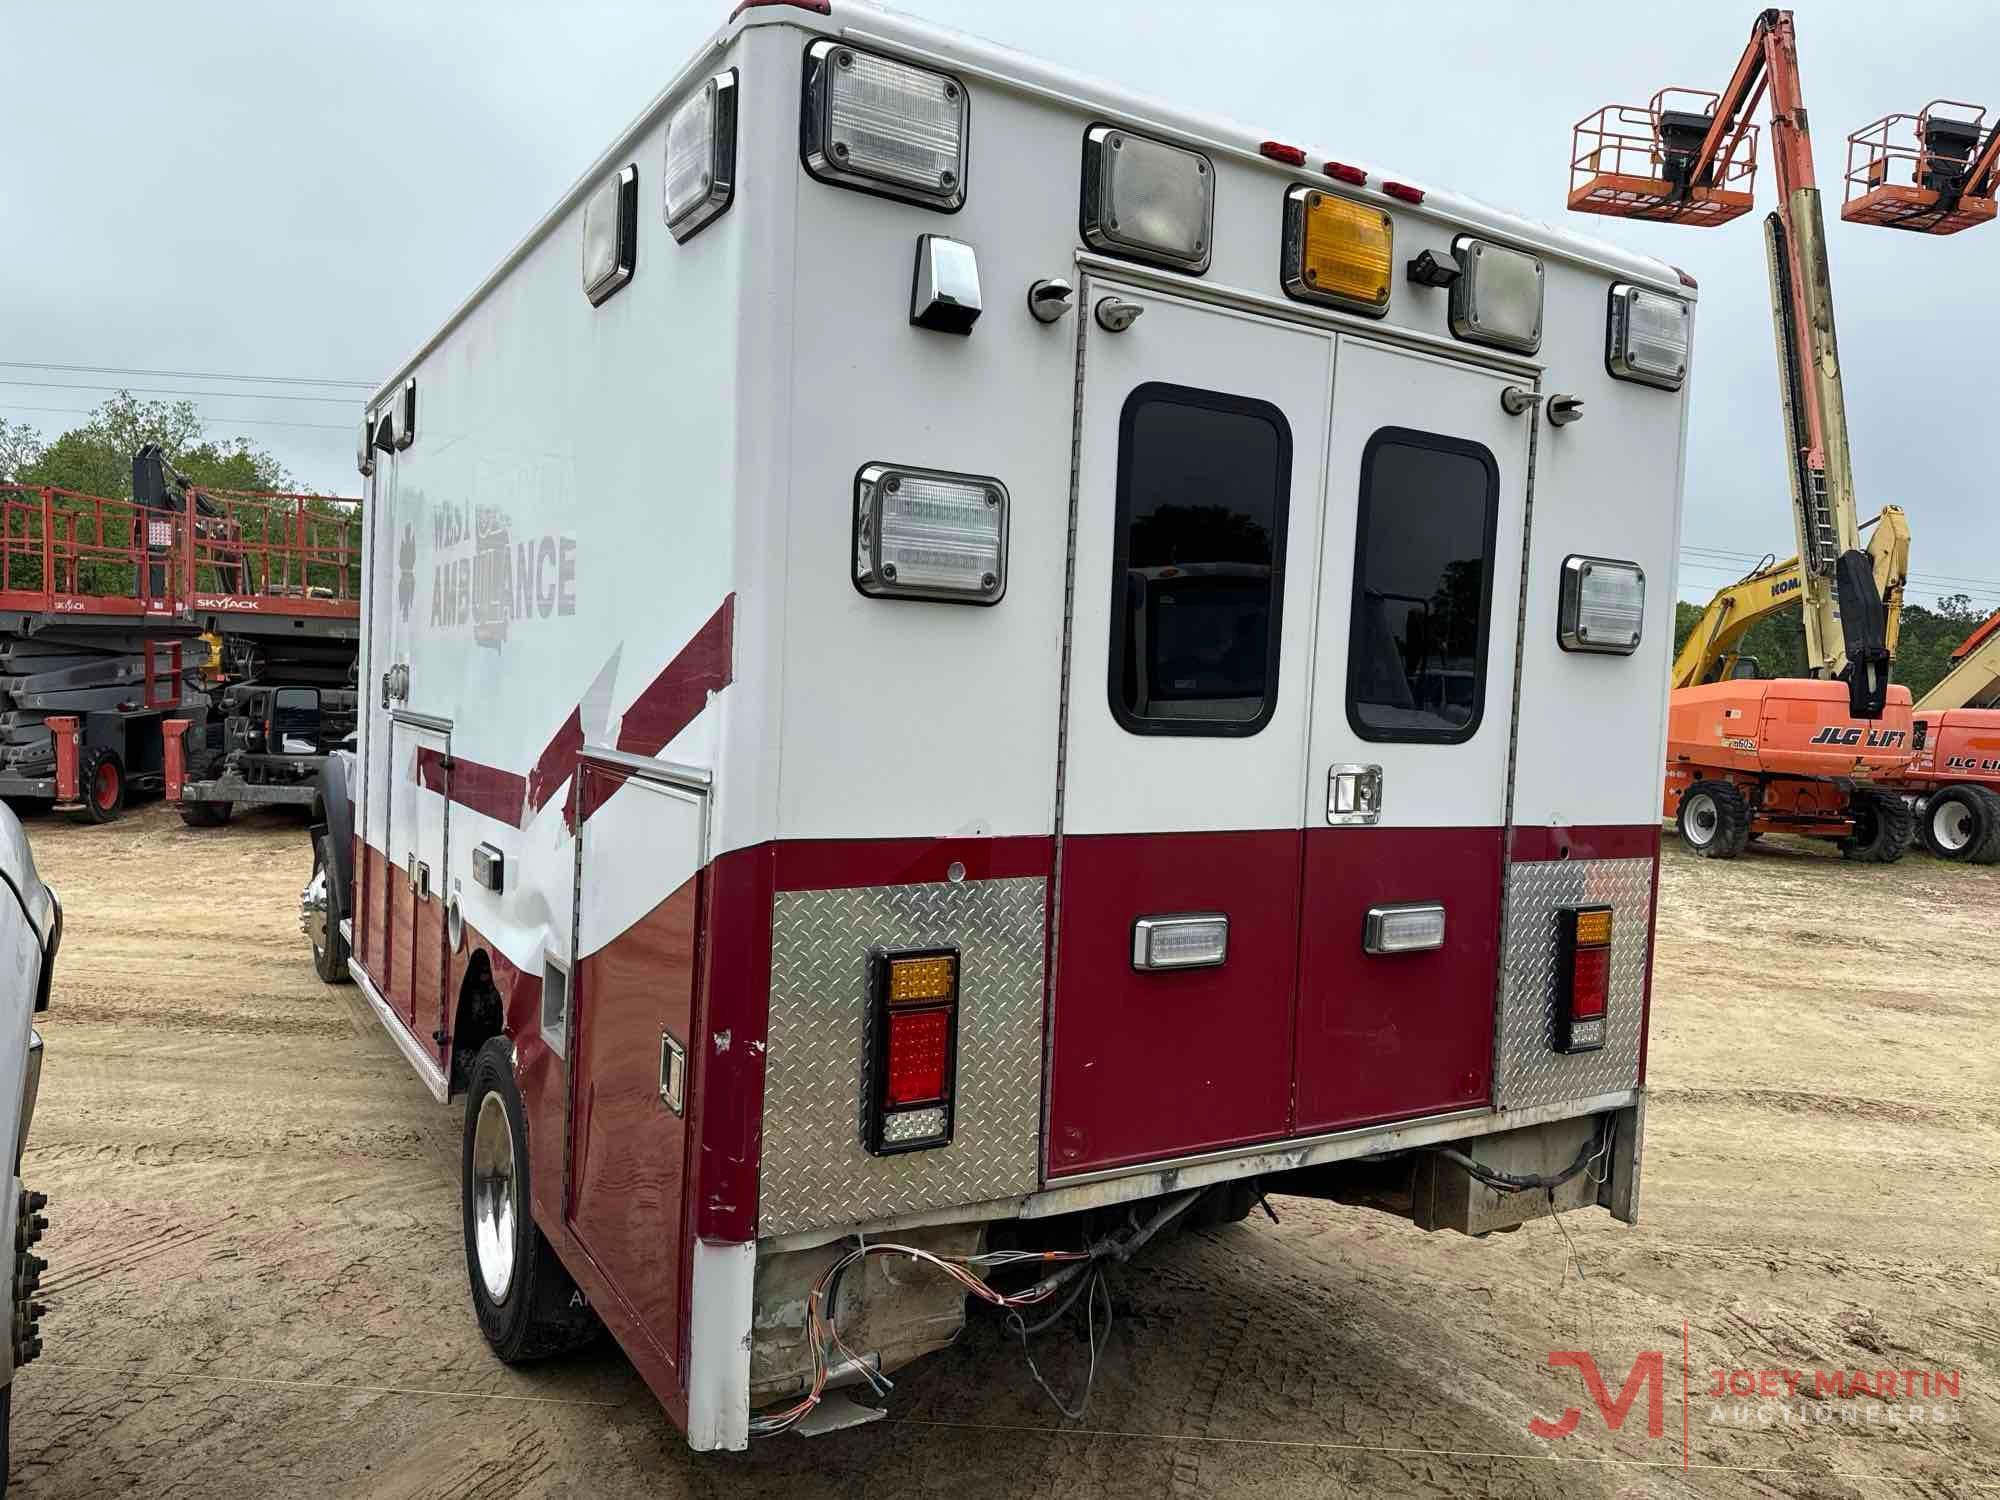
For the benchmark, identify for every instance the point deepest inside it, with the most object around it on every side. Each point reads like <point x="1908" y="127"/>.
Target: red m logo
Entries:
<point x="1649" y="1369"/>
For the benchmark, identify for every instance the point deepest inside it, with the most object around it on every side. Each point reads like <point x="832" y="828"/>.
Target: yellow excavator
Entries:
<point x="1713" y="653"/>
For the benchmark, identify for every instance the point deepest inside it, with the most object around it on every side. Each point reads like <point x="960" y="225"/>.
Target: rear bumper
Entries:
<point x="225" y="790"/>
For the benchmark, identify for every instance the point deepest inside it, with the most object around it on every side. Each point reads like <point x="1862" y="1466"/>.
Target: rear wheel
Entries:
<point x="322" y="924"/>
<point x="206" y="814"/>
<point x="527" y="1305"/>
<point x="1882" y="827"/>
<point x="100" y="782"/>
<point x="1957" y="823"/>
<point x="1714" y="820"/>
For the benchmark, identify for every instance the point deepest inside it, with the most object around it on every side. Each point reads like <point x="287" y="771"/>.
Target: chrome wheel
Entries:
<point x="1953" y="825"/>
<point x="312" y="911"/>
<point x="1701" y="820"/>
<point x="495" y="1198"/>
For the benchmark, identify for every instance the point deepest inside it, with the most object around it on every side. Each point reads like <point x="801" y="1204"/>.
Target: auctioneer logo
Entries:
<point x="1755" y="1397"/>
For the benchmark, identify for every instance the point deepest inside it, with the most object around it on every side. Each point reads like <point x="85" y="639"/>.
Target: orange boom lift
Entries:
<point x="1815" y="755"/>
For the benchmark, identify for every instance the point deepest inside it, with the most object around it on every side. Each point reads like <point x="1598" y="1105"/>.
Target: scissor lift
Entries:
<point x="1934" y="172"/>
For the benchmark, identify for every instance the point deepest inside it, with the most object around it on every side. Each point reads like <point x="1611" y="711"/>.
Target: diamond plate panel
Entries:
<point x="1530" y="1070"/>
<point x="816" y="1172"/>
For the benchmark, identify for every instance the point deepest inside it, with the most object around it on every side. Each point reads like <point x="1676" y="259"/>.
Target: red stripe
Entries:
<point x="836" y="864"/>
<point x="1613" y="841"/>
<point x="671" y="700"/>
<point x="557" y="763"/>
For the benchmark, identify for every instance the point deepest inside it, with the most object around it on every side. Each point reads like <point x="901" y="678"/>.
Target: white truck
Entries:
<point x="30" y="934"/>
<point x="960" y="665"/>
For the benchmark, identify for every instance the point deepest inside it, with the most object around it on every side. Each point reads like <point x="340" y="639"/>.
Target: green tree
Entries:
<point x="1923" y="655"/>
<point x="20" y="448"/>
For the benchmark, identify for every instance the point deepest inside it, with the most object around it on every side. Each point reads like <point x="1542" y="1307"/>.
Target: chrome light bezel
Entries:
<point x="1146" y="929"/>
<point x="818" y="151"/>
<point x="719" y="96"/>
<point x="1472" y="252"/>
<point x="618" y="196"/>
<point x="1103" y="145"/>
<point x="1618" y="332"/>
<point x="1571" y="634"/>
<point x="866" y="550"/>
<point x="1300" y="199"/>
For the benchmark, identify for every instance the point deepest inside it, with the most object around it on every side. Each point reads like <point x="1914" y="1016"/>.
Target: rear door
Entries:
<point x="419" y="810"/>
<point x="1413" y="692"/>
<point x="1201" y="440"/>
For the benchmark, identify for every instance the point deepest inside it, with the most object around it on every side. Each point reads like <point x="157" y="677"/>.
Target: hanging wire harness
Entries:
<point x="1594" y="1150"/>
<point x="1081" y="1272"/>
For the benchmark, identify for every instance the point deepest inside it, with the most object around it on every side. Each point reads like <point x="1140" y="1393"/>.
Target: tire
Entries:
<point x="1882" y="826"/>
<point x="1714" y="820"/>
<point x="206" y="814"/>
<point x="1988" y="853"/>
<point x="330" y="952"/>
<point x="6" y="1434"/>
<point x="100" y="781"/>
<point x="528" y="1308"/>
<point x="1958" y="823"/>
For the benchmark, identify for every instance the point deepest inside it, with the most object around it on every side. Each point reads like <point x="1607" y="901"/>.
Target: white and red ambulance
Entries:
<point x="959" y="665"/>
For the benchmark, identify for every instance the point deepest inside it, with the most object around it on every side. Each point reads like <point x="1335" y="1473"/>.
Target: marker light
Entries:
<point x="1337" y="251"/>
<point x="884" y="126"/>
<point x="919" y="534"/>
<point x="610" y="235"/>
<point x="1602" y="607"/>
<point x="1405" y="927"/>
<point x="1583" y="978"/>
<point x="1647" y="337"/>
<point x="914" y="1056"/>
<point x="1148" y="200"/>
<point x="1498" y="299"/>
<point x="700" y="176"/>
<point x="1340" y="171"/>
<point x="1189" y="942"/>
<point x="1291" y="156"/>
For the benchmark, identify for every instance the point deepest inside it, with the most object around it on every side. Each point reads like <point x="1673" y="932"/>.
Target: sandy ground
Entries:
<point x="257" y="1290"/>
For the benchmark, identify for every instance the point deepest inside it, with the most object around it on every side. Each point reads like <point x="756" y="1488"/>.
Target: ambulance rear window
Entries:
<point x="1198" y="562"/>
<point x="1423" y="588"/>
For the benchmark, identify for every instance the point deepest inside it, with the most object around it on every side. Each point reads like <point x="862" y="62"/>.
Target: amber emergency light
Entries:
<point x="1337" y="251"/>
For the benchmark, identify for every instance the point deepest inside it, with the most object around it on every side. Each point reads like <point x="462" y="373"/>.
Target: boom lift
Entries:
<point x="1805" y="756"/>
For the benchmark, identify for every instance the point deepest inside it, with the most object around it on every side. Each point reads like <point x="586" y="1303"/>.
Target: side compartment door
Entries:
<point x="641" y="848"/>
<point x="1202" y="432"/>
<point x="419" y="812"/>
<point x="1413" y="692"/>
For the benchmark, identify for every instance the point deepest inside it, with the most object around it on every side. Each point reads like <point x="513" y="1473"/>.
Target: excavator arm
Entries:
<point x="1713" y="648"/>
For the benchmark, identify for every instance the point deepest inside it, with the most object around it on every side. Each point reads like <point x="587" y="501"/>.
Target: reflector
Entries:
<point x="1337" y="251"/>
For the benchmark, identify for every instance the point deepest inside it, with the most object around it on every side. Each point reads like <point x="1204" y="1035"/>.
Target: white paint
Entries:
<point x="723" y="1284"/>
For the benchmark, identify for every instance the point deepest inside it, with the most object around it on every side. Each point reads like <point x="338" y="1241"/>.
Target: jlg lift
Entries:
<point x="1802" y="756"/>
<point x="1937" y="172"/>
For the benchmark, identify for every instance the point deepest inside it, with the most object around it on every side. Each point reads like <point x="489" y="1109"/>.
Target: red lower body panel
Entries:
<point x="1386" y="1035"/>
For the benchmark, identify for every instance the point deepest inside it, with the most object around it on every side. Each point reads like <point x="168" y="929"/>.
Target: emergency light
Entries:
<point x="1583" y="978"/>
<point x="884" y="126"/>
<point x="1498" y="299"/>
<point x="1337" y="251"/>
<point x="610" y="235"/>
<point x="700" y="176"/>
<point x="1647" y="337"/>
<point x="1602" y="605"/>
<point x="914" y="1051"/>
<point x="1148" y="200"/>
<point x="1184" y="942"/>
<point x="920" y="534"/>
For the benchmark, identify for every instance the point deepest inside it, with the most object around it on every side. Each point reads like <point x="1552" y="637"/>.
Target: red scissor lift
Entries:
<point x="103" y="606"/>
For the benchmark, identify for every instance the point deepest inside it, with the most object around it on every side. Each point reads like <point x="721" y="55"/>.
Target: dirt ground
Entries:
<point x="256" y="1284"/>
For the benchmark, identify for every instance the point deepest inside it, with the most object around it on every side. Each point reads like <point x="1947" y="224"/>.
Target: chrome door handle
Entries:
<point x="1115" y="314"/>
<point x="1353" y="795"/>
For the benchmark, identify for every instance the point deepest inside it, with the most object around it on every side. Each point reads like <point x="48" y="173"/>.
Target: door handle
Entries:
<point x="1353" y="795"/>
<point x="1115" y="314"/>
<point x="673" y="1073"/>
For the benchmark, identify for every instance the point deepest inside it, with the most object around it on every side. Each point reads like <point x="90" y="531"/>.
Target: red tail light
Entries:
<point x="1583" y="978"/>
<point x="914" y="1056"/>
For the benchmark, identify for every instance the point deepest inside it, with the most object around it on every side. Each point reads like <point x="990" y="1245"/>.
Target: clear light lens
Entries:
<point x="1341" y="250"/>
<point x="609" y="235"/>
<point x="1603" y="605"/>
<point x="1404" y="929"/>
<point x="1150" y="199"/>
<point x="690" y="154"/>
<point x="1648" y="337"/>
<point x="940" y="536"/>
<point x="1498" y="299"/>
<point x="895" y="123"/>
<point x="1180" y="942"/>
<point x="910" y="1125"/>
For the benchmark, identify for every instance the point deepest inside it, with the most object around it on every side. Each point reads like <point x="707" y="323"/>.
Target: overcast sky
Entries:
<point x="250" y="187"/>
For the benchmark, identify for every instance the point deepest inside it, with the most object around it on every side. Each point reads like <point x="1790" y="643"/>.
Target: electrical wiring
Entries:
<point x="1508" y="1182"/>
